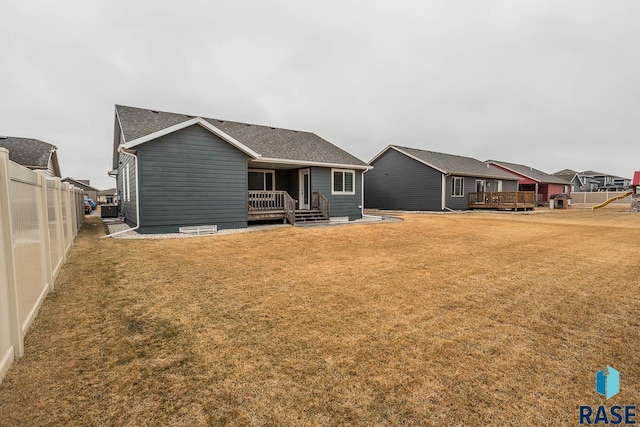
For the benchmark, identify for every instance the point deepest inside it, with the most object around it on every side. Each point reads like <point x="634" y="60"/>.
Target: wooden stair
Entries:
<point x="312" y="215"/>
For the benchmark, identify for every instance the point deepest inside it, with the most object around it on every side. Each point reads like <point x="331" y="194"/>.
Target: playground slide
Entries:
<point x="613" y="199"/>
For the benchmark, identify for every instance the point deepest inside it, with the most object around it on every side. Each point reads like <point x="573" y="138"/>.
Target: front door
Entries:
<point x="305" y="193"/>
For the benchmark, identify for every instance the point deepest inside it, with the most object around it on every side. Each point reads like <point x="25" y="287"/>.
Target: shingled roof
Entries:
<point x="531" y="173"/>
<point x="267" y="142"/>
<point x="31" y="153"/>
<point x="452" y="164"/>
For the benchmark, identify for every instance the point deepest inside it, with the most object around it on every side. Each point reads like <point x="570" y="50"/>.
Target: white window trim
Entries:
<point x="127" y="185"/>
<point x="353" y="181"/>
<point x="264" y="181"/>
<point x="453" y="186"/>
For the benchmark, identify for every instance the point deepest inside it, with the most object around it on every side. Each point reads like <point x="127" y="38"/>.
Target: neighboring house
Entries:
<point x="33" y="154"/>
<point x="107" y="196"/>
<point x="577" y="183"/>
<point x="83" y="184"/>
<point x="175" y="170"/>
<point x="606" y="182"/>
<point x="543" y="184"/>
<point x="411" y="179"/>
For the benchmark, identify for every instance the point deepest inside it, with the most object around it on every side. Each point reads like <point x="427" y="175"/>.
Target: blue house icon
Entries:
<point x="608" y="384"/>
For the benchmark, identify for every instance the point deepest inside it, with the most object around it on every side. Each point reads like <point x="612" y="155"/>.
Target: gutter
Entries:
<point x="123" y="150"/>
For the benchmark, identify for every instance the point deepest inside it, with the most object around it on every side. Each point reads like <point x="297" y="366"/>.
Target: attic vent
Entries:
<point x="273" y="128"/>
<point x="247" y="124"/>
<point x="4" y="137"/>
<point x="191" y="117"/>
<point x="154" y="111"/>
<point x="296" y="131"/>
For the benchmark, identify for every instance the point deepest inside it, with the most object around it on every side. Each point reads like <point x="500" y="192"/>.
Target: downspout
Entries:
<point x="362" y="192"/>
<point x="444" y="192"/>
<point x="123" y="150"/>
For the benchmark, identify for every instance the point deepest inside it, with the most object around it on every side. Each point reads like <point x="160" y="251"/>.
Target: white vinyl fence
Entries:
<point x="39" y="219"/>
<point x="597" y="197"/>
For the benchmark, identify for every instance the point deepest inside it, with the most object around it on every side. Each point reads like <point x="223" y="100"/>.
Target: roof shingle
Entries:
<point x="456" y="165"/>
<point x="532" y="173"/>
<point x="269" y="142"/>
<point x="28" y="152"/>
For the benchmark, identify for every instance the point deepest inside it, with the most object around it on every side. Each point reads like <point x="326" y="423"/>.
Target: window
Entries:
<point x="342" y="181"/>
<point x="457" y="189"/>
<point x="262" y="180"/>
<point x="126" y="191"/>
<point x="481" y="185"/>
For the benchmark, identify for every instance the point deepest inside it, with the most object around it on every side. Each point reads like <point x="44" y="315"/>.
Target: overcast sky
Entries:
<point x="551" y="84"/>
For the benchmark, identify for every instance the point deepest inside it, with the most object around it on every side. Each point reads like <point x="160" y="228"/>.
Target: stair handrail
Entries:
<point x="320" y="202"/>
<point x="289" y="208"/>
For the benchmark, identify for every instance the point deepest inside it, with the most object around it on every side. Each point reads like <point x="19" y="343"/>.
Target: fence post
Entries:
<point x="59" y="221"/>
<point x="68" y="232"/>
<point x="7" y="232"/>
<point x="45" y="239"/>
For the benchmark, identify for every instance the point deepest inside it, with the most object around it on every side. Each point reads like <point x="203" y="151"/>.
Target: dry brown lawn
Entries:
<point x="470" y="319"/>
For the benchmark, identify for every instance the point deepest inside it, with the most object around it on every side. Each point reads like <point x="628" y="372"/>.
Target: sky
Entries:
<point x="551" y="84"/>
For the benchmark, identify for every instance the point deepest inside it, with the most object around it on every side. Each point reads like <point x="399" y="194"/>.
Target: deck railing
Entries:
<point x="266" y="200"/>
<point x="502" y="199"/>
<point x="319" y="201"/>
<point x="270" y="204"/>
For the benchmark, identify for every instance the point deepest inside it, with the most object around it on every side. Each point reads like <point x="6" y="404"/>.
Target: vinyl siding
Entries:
<point x="192" y="177"/>
<point x="399" y="182"/>
<point x="342" y="205"/>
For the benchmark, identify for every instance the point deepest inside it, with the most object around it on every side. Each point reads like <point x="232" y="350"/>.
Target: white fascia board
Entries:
<point x="305" y="163"/>
<point x="195" y="121"/>
<point x="415" y="158"/>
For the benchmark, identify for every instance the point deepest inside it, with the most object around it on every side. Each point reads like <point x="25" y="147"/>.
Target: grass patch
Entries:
<point x="440" y="319"/>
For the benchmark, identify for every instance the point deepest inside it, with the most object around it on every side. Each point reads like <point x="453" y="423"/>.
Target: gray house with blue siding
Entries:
<point x="411" y="179"/>
<point x="175" y="170"/>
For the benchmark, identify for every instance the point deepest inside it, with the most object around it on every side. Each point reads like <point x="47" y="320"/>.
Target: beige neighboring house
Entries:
<point x="33" y="154"/>
<point x="107" y="196"/>
<point x="84" y="184"/>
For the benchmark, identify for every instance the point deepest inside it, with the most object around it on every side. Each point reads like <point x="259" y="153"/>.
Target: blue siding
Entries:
<point x="191" y="177"/>
<point x="341" y="204"/>
<point x="399" y="182"/>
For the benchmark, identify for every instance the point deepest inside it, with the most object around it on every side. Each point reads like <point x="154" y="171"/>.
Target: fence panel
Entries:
<point x="38" y="220"/>
<point x="597" y="197"/>
<point x="25" y="229"/>
<point x="6" y="344"/>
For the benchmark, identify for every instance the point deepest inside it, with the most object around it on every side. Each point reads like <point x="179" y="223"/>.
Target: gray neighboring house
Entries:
<point x="578" y="183"/>
<point x="85" y="185"/>
<point x="176" y="170"/>
<point x="607" y="182"/>
<point x="33" y="154"/>
<point x="411" y="179"/>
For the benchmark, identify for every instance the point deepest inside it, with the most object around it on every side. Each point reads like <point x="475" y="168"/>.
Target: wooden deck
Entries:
<point x="271" y="205"/>
<point x="514" y="200"/>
